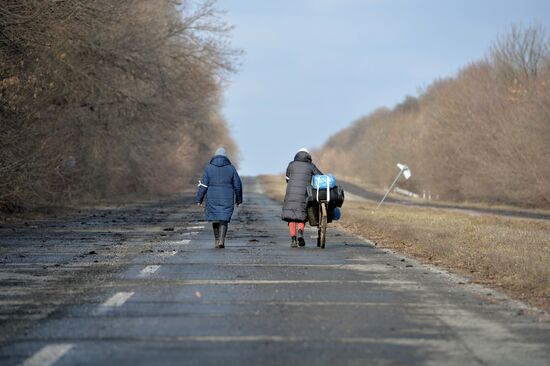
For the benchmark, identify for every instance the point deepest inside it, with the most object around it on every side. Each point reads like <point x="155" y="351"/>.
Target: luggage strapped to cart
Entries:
<point x="323" y="204"/>
<point x="323" y="188"/>
<point x="326" y="189"/>
<point x="323" y="181"/>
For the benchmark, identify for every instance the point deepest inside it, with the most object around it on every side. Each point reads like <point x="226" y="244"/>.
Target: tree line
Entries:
<point x="480" y="136"/>
<point x="108" y="98"/>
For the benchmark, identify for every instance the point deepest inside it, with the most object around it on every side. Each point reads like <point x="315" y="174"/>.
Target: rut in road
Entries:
<point x="258" y="301"/>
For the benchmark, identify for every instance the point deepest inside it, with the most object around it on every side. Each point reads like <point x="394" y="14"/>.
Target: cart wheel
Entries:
<point x="323" y="225"/>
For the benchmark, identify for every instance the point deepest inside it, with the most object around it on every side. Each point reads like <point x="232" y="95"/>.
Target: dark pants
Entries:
<point x="220" y="229"/>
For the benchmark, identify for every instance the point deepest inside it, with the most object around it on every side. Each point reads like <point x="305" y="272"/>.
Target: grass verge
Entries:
<point x="511" y="254"/>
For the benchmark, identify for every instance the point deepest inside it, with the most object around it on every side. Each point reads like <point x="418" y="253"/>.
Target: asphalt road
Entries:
<point x="144" y="285"/>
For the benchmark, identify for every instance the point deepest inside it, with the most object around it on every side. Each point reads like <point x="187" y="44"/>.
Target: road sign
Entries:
<point x="403" y="169"/>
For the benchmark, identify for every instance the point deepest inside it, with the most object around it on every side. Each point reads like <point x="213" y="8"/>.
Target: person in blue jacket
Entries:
<point x="223" y="185"/>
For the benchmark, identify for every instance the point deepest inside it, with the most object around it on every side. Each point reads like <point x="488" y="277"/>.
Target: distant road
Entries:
<point x="364" y="193"/>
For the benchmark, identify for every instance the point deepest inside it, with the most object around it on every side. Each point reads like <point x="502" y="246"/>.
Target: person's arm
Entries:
<point x="287" y="175"/>
<point x="316" y="170"/>
<point x="237" y="187"/>
<point x="203" y="187"/>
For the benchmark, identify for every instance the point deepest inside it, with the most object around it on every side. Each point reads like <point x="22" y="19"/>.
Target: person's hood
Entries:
<point x="220" y="160"/>
<point x="303" y="156"/>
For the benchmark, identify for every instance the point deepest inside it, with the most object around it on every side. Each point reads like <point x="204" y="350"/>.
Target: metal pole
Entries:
<point x="389" y="189"/>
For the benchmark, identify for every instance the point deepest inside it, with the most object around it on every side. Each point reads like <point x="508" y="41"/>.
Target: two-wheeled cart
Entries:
<point x="321" y="206"/>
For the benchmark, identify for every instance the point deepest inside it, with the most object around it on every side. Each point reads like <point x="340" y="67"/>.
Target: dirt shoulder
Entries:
<point x="511" y="254"/>
<point x="32" y="212"/>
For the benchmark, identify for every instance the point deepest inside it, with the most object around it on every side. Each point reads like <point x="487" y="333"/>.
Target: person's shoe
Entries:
<point x="293" y="243"/>
<point x="217" y="244"/>
<point x="301" y="240"/>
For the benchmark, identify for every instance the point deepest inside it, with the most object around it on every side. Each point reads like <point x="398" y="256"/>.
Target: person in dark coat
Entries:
<point x="223" y="185"/>
<point x="298" y="178"/>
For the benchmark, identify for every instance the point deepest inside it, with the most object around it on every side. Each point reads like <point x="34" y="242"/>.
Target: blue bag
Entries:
<point x="321" y="181"/>
<point x="337" y="213"/>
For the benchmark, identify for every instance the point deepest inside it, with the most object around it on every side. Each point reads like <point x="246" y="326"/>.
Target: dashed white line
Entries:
<point x="48" y="355"/>
<point x="149" y="270"/>
<point x="116" y="300"/>
<point x="178" y="242"/>
<point x="169" y="254"/>
<point x="190" y="233"/>
<point x="194" y="227"/>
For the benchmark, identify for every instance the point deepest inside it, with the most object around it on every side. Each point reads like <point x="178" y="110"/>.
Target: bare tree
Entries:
<point x="108" y="97"/>
<point x="481" y="136"/>
<point x="520" y="53"/>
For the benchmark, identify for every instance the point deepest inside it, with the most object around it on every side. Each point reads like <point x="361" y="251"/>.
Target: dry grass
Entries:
<point x="508" y="253"/>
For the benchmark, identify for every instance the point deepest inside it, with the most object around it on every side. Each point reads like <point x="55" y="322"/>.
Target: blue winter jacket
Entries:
<point x="224" y="187"/>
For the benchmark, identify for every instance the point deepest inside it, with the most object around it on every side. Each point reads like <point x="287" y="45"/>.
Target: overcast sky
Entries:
<point x="312" y="67"/>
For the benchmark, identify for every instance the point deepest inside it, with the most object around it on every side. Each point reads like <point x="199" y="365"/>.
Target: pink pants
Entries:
<point x="292" y="226"/>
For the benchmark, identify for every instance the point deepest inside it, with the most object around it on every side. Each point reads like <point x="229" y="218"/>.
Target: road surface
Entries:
<point x="143" y="285"/>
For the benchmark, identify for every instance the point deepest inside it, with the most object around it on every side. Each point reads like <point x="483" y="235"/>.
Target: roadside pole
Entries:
<point x="403" y="169"/>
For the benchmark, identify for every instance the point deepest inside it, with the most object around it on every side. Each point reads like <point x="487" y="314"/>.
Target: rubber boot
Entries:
<point x="223" y="232"/>
<point x="301" y="240"/>
<point x="293" y="243"/>
<point x="216" y="228"/>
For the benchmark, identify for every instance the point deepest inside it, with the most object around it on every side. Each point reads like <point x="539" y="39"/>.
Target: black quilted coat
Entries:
<point x="298" y="175"/>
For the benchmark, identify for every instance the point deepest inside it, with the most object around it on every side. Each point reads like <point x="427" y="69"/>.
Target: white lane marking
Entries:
<point x="149" y="270"/>
<point x="370" y="267"/>
<point x="194" y="227"/>
<point x="116" y="300"/>
<point x="290" y="282"/>
<point x="275" y="338"/>
<point x="178" y="242"/>
<point x="48" y="355"/>
<point x="419" y="306"/>
<point x="281" y="265"/>
<point x="329" y="303"/>
<point x="167" y="253"/>
<point x="360" y="258"/>
<point x="190" y="233"/>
